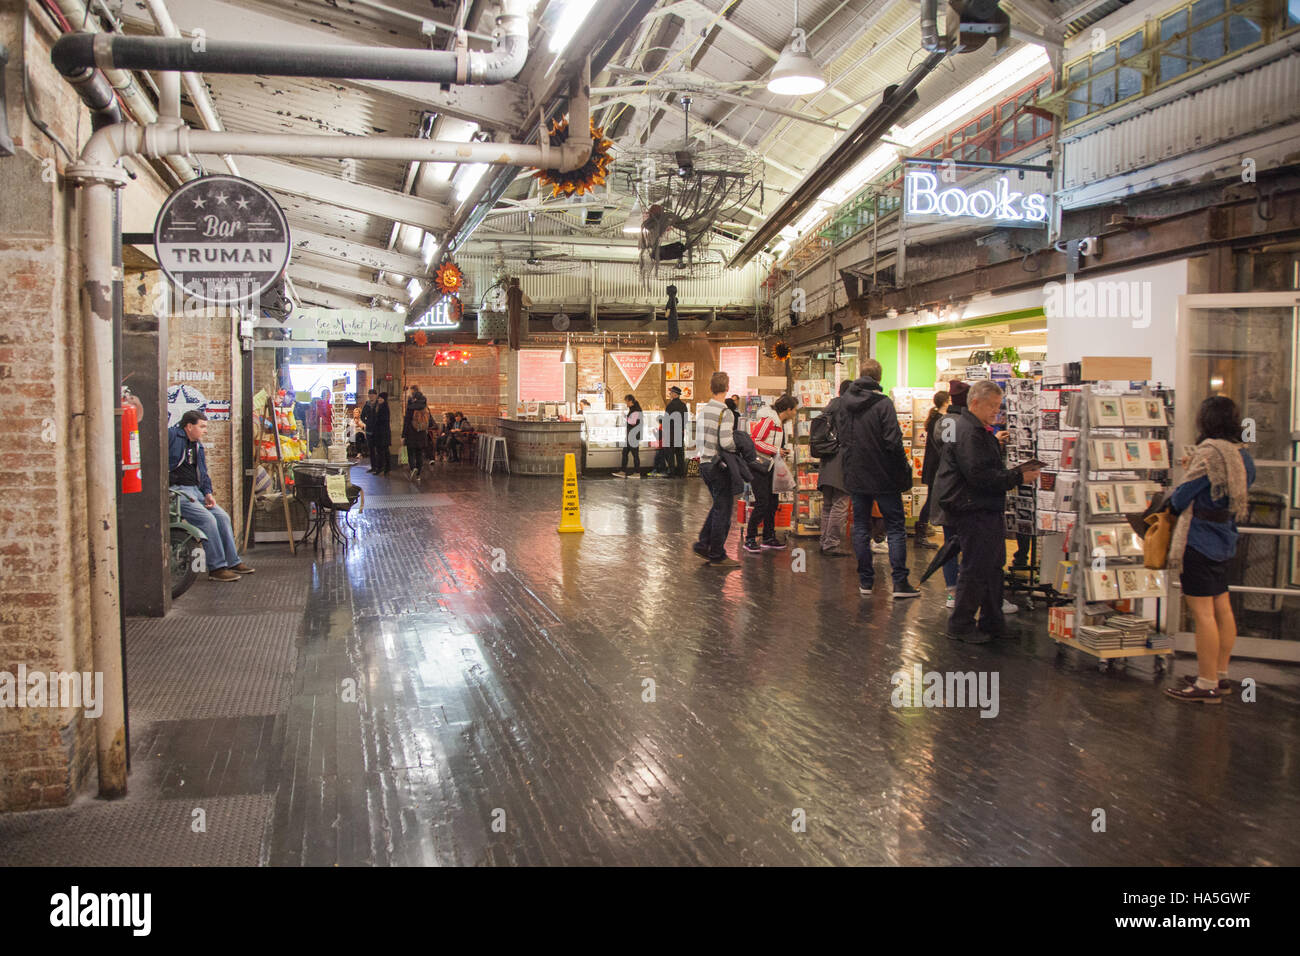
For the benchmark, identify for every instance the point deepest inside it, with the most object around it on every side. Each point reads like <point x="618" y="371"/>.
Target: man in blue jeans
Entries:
<point x="189" y="478"/>
<point x="713" y="439"/>
<point x="876" y="471"/>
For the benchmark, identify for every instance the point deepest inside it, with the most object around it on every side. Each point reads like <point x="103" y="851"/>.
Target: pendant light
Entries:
<point x="568" y="352"/>
<point x="656" y="357"/>
<point x="796" y="73"/>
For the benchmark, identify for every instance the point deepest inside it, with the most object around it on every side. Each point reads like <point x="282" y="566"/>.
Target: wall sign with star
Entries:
<point x="222" y="239"/>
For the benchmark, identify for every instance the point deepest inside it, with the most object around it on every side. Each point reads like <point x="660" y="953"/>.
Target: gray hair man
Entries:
<point x="974" y="486"/>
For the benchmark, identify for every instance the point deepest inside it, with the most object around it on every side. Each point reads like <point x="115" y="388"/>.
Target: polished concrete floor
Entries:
<point x="463" y="685"/>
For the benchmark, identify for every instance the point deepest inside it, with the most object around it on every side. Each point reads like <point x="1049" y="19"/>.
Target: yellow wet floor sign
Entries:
<point x="570" y="517"/>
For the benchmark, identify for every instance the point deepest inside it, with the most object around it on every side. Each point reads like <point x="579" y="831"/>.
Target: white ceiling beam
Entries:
<point x="332" y="279"/>
<point x="492" y="107"/>
<point x="329" y="300"/>
<point x="599" y="242"/>
<point x="358" y="197"/>
<point x="369" y="257"/>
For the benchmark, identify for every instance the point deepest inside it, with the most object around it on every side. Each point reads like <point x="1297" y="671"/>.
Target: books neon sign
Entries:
<point x="925" y="201"/>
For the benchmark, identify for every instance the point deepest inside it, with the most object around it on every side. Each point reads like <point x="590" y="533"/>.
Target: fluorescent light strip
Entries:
<point x="962" y="348"/>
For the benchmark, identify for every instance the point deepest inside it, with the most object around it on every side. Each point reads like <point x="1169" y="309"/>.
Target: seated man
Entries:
<point x="189" y="478"/>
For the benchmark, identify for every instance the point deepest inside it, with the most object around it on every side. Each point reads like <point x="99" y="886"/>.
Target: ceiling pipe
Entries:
<point x="122" y="82"/>
<point x="81" y="50"/>
<point x="931" y="42"/>
<point x="866" y="133"/>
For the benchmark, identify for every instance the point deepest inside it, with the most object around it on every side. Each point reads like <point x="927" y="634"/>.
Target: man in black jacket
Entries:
<point x="368" y="419"/>
<point x="676" y="415"/>
<point x="876" y="471"/>
<point x="383" y="434"/>
<point x="973" y="485"/>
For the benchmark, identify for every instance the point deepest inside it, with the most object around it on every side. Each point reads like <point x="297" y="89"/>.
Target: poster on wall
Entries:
<point x="688" y="391"/>
<point x="185" y="391"/>
<point x="541" y="375"/>
<point x="670" y="371"/>
<point x="814" y="392"/>
<point x="686" y="371"/>
<point x="741" y="363"/>
<point x="633" y="365"/>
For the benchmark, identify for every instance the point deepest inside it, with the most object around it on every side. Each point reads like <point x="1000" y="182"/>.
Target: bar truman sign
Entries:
<point x="222" y="239"/>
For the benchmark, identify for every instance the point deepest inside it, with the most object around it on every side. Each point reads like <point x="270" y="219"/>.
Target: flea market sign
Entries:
<point x="222" y="239"/>
<point x="359" y="325"/>
<point x="932" y="194"/>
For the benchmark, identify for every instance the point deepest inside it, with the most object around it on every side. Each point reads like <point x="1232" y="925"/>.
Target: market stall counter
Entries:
<point x="538" y="448"/>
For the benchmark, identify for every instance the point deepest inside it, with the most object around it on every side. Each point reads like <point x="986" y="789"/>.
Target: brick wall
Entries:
<point x="209" y="344"/>
<point x="477" y="389"/>
<point x="46" y="754"/>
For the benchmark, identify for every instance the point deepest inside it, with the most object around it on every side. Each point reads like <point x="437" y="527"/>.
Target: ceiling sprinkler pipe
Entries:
<point x="930" y="39"/>
<point x="79" y="51"/>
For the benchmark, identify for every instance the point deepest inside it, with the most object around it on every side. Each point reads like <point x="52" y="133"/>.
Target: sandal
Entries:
<point x="1225" y="686"/>
<point x="1194" y="695"/>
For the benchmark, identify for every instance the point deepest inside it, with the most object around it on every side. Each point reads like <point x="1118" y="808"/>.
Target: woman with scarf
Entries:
<point x="1212" y="498"/>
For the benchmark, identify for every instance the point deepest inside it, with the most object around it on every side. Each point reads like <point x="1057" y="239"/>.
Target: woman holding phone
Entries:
<point x="1213" y="497"/>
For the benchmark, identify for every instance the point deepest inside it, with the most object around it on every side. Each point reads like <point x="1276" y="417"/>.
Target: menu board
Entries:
<point x="741" y="363"/>
<point x="541" y="375"/>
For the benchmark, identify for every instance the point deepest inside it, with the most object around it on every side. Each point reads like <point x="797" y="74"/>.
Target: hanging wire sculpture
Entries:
<point x="683" y="193"/>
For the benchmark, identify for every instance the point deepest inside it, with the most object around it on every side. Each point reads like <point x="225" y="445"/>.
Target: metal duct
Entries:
<point x="930" y="40"/>
<point x="79" y="51"/>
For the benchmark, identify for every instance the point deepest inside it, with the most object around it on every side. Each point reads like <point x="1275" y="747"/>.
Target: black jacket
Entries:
<point x="831" y="472"/>
<point x="930" y="464"/>
<point x="415" y="437"/>
<point x="971" y="476"/>
<point x="383" y="427"/>
<point x="675" y="423"/>
<point x="871" y="443"/>
<point x="368" y="413"/>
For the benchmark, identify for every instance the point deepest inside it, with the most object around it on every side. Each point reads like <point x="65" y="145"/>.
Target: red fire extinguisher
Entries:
<point x="131" y="482"/>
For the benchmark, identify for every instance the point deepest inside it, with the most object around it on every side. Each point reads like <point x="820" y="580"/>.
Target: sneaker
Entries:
<point x="633" y="476"/>
<point x="951" y="602"/>
<point x="1191" y="694"/>
<point x="1009" y="608"/>
<point x="224" y="575"/>
<point x="620" y="474"/>
<point x="880" y="547"/>
<point x="972" y="637"/>
<point x="242" y="568"/>
<point x="905" y="590"/>
<point x="866" y="588"/>
<point x="700" y="550"/>
<point x="723" y="562"/>
<point x="835" y="552"/>
<point x="752" y="547"/>
<point x="930" y="543"/>
<point x="1225" y="686"/>
<point x="773" y="545"/>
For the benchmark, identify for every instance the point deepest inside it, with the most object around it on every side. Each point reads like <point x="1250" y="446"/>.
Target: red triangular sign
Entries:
<point x="633" y="365"/>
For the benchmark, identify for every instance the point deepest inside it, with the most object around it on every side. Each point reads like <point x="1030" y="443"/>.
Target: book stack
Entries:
<point x="1100" y="638"/>
<point x="1134" y="630"/>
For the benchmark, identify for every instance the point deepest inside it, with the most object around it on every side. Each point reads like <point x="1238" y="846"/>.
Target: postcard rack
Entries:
<point x="1120" y="435"/>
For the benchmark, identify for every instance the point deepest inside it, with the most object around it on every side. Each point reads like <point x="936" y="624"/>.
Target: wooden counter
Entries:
<point x="538" y="448"/>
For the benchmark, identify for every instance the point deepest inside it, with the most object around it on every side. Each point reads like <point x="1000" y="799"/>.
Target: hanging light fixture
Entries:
<point x="656" y="357"/>
<point x="568" y="352"/>
<point x="796" y="73"/>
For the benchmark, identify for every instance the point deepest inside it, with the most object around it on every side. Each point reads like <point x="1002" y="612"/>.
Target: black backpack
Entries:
<point x="822" y="440"/>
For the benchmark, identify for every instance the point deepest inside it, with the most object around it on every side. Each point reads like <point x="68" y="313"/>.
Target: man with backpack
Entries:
<point x="716" y="437"/>
<point x="415" y="430"/>
<point x="823" y="443"/>
<point x="876" y="471"/>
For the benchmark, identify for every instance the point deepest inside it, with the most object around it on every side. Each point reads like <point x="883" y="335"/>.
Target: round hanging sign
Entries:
<point x="222" y="239"/>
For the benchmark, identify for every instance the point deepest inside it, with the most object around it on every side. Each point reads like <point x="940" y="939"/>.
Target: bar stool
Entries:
<point x="482" y="445"/>
<point x="495" y="442"/>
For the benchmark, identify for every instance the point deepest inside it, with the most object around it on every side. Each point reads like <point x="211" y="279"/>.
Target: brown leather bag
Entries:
<point x="1155" y="543"/>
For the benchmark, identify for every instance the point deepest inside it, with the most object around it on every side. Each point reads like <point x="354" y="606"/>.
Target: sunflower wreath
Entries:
<point x="779" y="351"/>
<point x="448" y="278"/>
<point x="588" y="176"/>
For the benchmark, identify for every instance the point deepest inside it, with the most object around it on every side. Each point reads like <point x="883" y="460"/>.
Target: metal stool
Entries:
<point x="495" y="442"/>
<point x="482" y="445"/>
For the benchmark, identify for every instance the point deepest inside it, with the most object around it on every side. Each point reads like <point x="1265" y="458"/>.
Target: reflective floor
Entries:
<point x="466" y="686"/>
